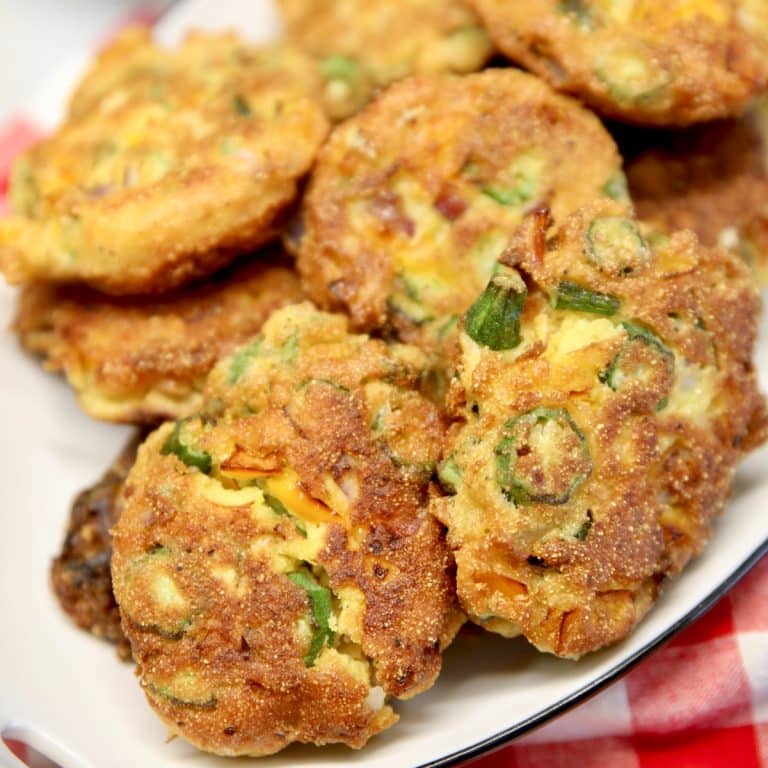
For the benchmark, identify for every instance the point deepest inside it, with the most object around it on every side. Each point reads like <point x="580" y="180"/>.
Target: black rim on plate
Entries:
<point x="560" y="707"/>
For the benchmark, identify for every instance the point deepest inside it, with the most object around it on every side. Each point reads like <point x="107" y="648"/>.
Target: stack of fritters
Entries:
<point x="293" y="546"/>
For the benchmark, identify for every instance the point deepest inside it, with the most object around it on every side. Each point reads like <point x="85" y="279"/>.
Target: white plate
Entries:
<point x="66" y="694"/>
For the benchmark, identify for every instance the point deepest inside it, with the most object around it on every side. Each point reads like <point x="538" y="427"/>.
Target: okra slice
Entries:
<point x="320" y="600"/>
<point x="524" y="177"/>
<point x="449" y="474"/>
<point x="630" y="74"/>
<point x="579" y="11"/>
<point x="574" y="296"/>
<point x="617" y="187"/>
<point x="193" y="457"/>
<point x="615" y="245"/>
<point x="242" y="360"/>
<point x="184" y="690"/>
<point x="644" y="359"/>
<point x="494" y="319"/>
<point x="340" y="67"/>
<point x="543" y="457"/>
<point x="150" y="588"/>
<point x="345" y="80"/>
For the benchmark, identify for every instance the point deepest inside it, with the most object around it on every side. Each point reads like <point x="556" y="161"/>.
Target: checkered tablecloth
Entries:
<point x="699" y="701"/>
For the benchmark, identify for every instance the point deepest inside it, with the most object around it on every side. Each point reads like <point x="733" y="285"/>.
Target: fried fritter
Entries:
<point x="142" y="361"/>
<point x="363" y="45"/>
<point x="169" y="164"/>
<point x="654" y="62"/>
<point x="80" y="575"/>
<point x="712" y="179"/>
<point x="413" y="200"/>
<point x="606" y="391"/>
<point x="276" y="568"/>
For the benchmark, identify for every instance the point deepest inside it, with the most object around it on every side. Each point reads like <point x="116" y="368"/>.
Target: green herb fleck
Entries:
<point x="241" y="106"/>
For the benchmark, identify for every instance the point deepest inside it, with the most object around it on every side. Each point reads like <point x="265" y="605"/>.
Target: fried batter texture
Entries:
<point x="143" y="361"/>
<point x="363" y="45"/>
<point x="596" y="437"/>
<point x="169" y="164"/>
<point x="80" y="575"/>
<point x="654" y="62"/>
<point x="712" y="179"/>
<point x="276" y="568"/>
<point x="413" y="200"/>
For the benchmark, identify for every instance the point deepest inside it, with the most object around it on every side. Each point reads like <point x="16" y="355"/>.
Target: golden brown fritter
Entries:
<point x="80" y="575"/>
<point x="275" y="565"/>
<point x="170" y="163"/>
<point x="606" y="391"/>
<point x="413" y="200"/>
<point x="142" y="361"/>
<point x="712" y="179"/>
<point x="363" y="45"/>
<point x="654" y="62"/>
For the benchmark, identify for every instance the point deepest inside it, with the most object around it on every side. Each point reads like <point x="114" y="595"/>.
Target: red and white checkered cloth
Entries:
<point x="699" y="701"/>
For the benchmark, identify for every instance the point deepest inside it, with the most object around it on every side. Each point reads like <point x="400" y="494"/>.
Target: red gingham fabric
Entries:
<point x="699" y="701"/>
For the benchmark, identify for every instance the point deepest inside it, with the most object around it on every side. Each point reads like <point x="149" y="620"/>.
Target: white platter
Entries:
<point x="66" y="694"/>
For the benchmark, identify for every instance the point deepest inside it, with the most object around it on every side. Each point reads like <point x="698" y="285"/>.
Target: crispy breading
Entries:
<point x="712" y="179"/>
<point x="170" y="163"/>
<point x="80" y="574"/>
<point x="653" y="62"/>
<point x="142" y="361"/>
<point x="276" y="568"/>
<point x="412" y="201"/>
<point x="363" y="45"/>
<point x="593" y="448"/>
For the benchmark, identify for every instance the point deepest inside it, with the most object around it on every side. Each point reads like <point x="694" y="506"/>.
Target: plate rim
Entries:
<point x="503" y="738"/>
<point x="549" y="713"/>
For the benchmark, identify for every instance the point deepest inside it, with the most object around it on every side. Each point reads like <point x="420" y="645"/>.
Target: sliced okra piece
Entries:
<point x="643" y="357"/>
<point x="183" y="449"/>
<point x="569" y="295"/>
<point x="615" y="245"/>
<point x="543" y="457"/>
<point x="494" y="319"/>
